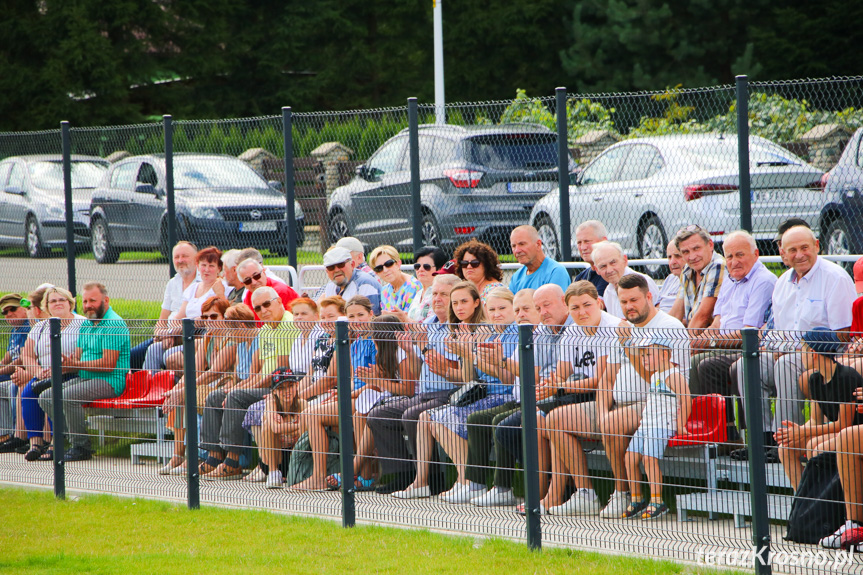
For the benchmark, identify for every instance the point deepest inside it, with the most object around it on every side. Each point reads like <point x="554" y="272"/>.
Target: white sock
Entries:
<point x="474" y="486"/>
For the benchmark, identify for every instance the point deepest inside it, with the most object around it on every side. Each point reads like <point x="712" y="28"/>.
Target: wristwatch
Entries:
<point x="426" y="348"/>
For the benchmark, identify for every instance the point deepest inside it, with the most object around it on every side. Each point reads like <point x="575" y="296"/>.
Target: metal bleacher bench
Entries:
<point x="137" y="410"/>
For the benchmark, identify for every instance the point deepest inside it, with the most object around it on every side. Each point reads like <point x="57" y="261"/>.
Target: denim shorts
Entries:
<point x="650" y="442"/>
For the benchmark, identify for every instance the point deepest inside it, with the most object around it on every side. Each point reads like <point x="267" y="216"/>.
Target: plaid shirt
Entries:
<point x="711" y="280"/>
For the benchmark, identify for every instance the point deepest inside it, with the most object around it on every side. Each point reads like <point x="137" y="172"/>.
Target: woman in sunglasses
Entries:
<point x="399" y="288"/>
<point x="215" y="355"/>
<point x="477" y="263"/>
<point x="427" y="260"/>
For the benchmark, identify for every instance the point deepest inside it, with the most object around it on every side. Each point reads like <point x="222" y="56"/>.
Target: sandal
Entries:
<point x="35" y="452"/>
<point x="362" y="484"/>
<point x="48" y="454"/>
<point x="334" y="481"/>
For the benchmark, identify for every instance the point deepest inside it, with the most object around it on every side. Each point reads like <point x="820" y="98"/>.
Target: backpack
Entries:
<point x="818" y="508"/>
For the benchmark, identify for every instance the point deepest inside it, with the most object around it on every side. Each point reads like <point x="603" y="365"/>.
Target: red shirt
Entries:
<point x="857" y="317"/>
<point x="286" y="294"/>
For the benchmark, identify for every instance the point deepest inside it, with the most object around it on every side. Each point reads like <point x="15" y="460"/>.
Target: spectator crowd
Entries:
<point x="434" y="360"/>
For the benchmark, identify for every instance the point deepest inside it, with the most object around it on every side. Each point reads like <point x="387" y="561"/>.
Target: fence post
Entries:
<point x="169" y="190"/>
<point x="414" y="145"/>
<point x="191" y="410"/>
<point x="346" y="424"/>
<point x="743" y="152"/>
<point x="287" y="132"/>
<point x="755" y="445"/>
<point x="57" y="409"/>
<point x="70" y="209"/>
<point x="563" y="176"/>
<point x="528" y="435"/>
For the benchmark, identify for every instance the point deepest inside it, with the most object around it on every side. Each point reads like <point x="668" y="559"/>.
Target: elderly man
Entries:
<point x="671" y="284"/>
<point x="610" y="262"/>
<point x="538" y="269"/>
<point x="358" y="254"/>
<point x="346" y="281"/>
<point x="701" y="278"/>
<point x="15" y="316"/>
<point x="586" y="234"/>
<point x="813" y="293"/>
<point x="222" y="431"/>
<point x="102" y="362"/>
<point x="425" y="346"/>
<point x="743" y="302"/>
<point x="230" y="259"/>
<point x="150" y="354"/>
<point x="253" y="276"/>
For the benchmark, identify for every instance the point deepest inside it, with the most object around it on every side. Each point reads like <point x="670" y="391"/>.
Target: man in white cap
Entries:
<point x="346" y="281"/>
<point x="358" y="254"/>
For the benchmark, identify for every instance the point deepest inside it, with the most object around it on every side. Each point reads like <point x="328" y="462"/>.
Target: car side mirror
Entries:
<point x="14" y="190"/>
<point x="276" y="185"/>
<point x="362" y="171"/>
<point x="577" y="177"/>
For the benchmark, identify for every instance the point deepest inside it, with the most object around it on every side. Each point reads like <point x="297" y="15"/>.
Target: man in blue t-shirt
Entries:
<point x="16" y="317"/>
<point x="538" y="269"/>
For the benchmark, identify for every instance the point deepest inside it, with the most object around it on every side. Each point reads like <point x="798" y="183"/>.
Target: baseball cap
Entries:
<point x="823" y="341"/>
<point x="787" y="225"/>
<point x="448" y="268"/>
<point x="10" y="300"/>
<point x="858" y="275"/>
<point x="652" y="342"/>
<point x="336" y="256"/>
<point x="351" y="244"/>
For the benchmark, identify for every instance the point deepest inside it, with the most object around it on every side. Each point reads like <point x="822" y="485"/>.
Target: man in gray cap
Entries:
<point x="346" y="281"/>
<point x="358" y="254"/>
<point x="16" y="317"/>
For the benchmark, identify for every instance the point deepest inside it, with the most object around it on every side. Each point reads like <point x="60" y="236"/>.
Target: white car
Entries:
<point x="645" y="189"/>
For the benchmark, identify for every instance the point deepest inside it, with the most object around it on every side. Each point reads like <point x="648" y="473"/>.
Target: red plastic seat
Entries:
<point x="159" y="383"/>
<point x="706" y="422"/>
<point x="137" y="385"/>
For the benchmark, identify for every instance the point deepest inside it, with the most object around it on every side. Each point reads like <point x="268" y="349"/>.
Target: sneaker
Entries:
<point x="834" y="540"/>
<point x="413" y="493"/>
<point x="617" y="505"/>
<point x="461" y="493"/>
<point x="494" y="498"/>
<point x="654" y="510"/>
<point x="634" y="510"/>
<point x="175" y="462"/>
<point x="13" y="444"/>
<point x="581" y="503"/>
<point x="78" y="454"/>
<point x="179" y="470"/>
<point x="257" y="476"/>
<point x="274" y="479"/>
<point x="398" y="483"/>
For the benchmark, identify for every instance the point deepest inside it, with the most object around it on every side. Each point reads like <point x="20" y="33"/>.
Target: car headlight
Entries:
<point x="204" y="213"/>
<point x="56" y="211"/>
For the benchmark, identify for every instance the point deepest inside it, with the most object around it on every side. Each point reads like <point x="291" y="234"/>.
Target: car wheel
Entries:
<point x="33" y="239"/>
<point x="651" y="245"/>
<point x="836" y="243"/>
<point x="338" y="227"/>
<point x="548" y="235"/>
<point x="100" y="238"/>
<point x="430" y="231"/>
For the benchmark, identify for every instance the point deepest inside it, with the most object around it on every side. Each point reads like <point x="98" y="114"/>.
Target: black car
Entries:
<point x="219" y="201"/>
<point x="475" y="181"/>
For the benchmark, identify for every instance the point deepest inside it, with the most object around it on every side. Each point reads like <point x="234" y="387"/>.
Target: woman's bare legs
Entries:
<point x="316" y="419"/>
<point x="454" y="446"/>
<point x="849" y="458"/>
<point x="425" y="446"/>
<point x="564" y="427"/>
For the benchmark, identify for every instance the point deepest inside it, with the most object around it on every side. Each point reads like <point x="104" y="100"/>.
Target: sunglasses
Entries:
<point x="10" y="309"/>
<point x="265" y="305"/>
<point x="386" y="264"/>
<point x="338" y="265"/>
<point x="212" y="316"/>
<point x="470" y="264"/>
<point x="255" y="276"/>
<point x="426" y="267"/>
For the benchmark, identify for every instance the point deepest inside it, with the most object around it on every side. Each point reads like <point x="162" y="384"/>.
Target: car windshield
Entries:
<point x="718" y="157"/>
<point x="515" y="151"/>
<point x="49" y="175"/>
<point x="212" y="173"/>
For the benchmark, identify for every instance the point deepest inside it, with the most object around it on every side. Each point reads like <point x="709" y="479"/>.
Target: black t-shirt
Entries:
<point x="840" y="390"/>
<point x="593" y="277"/>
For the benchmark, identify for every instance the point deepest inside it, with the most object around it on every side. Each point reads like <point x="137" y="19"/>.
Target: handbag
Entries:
<point x="468" y="393"/>
<point x="818" y="508"/>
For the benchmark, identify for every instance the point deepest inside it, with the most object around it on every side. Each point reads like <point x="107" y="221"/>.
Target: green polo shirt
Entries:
<point x="112" y="333"/>
<point x="274" y="342"/>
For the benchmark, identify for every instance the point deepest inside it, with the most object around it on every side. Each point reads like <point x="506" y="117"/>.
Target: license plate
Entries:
<point x="768" y="196"/>
<point x="258" y="226"/>
<point x="529" y="187"/>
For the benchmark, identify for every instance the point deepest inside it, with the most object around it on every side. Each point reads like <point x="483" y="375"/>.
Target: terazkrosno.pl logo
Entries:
<point x="745" y="558"/>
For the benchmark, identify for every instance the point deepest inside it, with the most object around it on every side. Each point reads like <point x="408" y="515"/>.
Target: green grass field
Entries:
<point x="106" y="535"/>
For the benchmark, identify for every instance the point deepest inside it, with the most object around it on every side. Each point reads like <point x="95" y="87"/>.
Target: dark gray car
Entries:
<point x="32" y="205"/>
<point x="475" y="181"/>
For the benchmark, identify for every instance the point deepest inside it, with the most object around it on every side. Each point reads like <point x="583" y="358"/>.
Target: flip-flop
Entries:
<point x="362" y="484"/>
<point x="334" y="481"/>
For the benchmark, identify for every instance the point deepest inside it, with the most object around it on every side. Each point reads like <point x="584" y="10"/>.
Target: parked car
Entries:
<point x="219" y="200"/>
<point x="32" y="207"/>
<point x="645" y="189"/>
<point x="842" y="216"/>
<point x="475" y="181"/>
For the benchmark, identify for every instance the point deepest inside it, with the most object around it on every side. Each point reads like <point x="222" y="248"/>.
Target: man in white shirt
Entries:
<point x="671" y="284"/>
<point x="813" y="293"/>
<point x="610" y="262"/>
